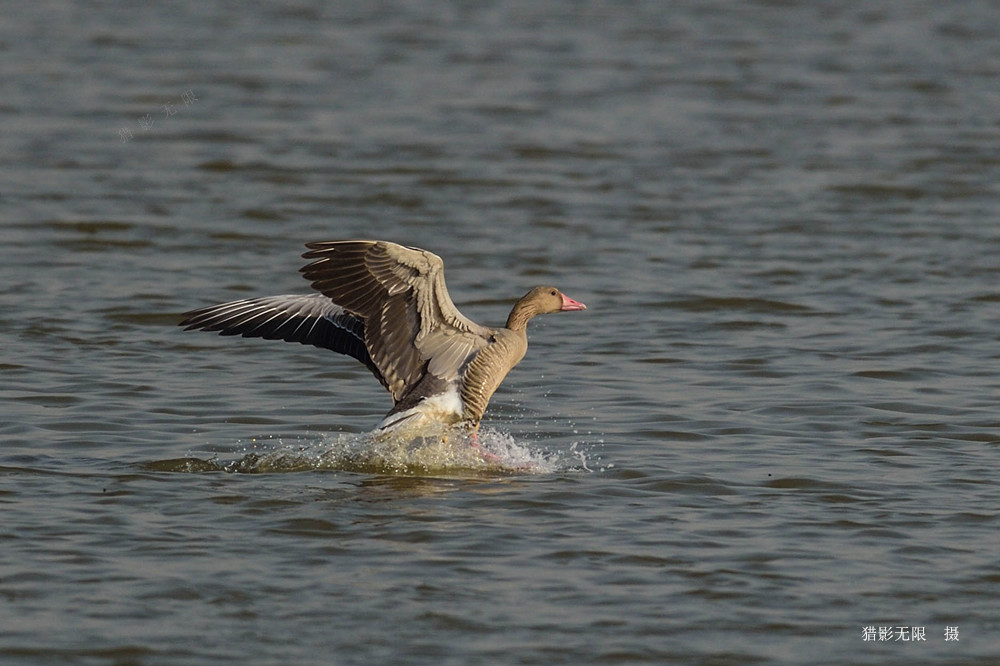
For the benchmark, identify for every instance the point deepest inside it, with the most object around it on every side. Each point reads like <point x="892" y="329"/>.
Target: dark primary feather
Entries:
<point x="310" y="319"/>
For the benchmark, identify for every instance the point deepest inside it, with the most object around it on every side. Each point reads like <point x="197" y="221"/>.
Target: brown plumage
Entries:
<point x="387" y="306"/>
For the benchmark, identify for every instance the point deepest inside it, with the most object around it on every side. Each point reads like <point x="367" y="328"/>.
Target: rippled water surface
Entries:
<point x="776" y="424"/>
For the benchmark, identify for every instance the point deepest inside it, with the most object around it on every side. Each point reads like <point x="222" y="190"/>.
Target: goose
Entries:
<point x="387" y="306"/>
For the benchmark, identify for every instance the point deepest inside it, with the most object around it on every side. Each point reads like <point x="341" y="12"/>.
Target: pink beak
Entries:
<point x="569" y="304"/>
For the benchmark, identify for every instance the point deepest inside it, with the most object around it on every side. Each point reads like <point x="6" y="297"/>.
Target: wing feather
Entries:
<point x="311" y="319"/>
<point x="411" y="324"/>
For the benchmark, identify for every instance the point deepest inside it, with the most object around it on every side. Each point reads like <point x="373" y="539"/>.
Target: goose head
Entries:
<point x="540" y="300"/>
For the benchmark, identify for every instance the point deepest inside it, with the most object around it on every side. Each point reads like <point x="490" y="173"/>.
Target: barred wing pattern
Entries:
<point x="411" y="326"/>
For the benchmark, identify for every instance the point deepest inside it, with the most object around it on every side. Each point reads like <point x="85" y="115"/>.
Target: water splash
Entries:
<point x="444" y="453"/>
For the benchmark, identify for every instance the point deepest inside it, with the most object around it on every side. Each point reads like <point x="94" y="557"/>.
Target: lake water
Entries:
<point x="775" y="426"/>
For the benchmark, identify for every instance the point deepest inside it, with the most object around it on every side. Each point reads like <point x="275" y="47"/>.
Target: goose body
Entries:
<point x="387" y="306"/>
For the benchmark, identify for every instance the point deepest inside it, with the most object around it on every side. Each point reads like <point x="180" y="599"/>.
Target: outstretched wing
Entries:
<point x="310" y="319"/>
<point x="411" y="325"/>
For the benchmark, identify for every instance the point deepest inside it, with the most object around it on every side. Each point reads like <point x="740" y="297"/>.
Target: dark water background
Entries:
<point x="776" y="425"/>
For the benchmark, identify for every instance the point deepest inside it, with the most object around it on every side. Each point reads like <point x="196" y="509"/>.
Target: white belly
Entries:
<point x="445" y="408"/>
